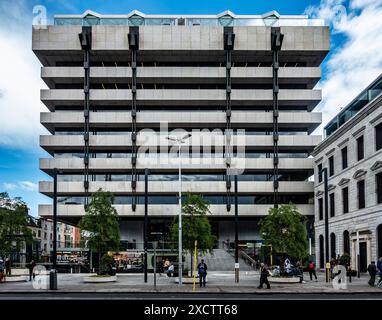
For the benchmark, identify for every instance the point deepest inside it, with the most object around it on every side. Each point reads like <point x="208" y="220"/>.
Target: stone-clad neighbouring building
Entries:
<point x="194" y="72"/>
<point x="352" y="154"/>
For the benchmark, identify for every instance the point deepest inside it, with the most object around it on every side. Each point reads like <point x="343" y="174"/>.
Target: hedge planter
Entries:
<point x="284" y="279"/>
<point x="16" y="278"/>
<point x="188" y="280"/>
<point x="100" y="279"/>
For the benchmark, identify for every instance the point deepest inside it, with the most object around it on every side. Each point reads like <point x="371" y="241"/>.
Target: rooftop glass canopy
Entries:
<point x="369" y="94"/>
<point x="226" y="18"/>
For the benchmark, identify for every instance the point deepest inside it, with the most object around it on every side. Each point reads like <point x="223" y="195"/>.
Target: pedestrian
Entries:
<point x="170" y="270"/>
<point x="264" y="273"/>
<point x="202" y="271"/>
<point x="7" y="267"/>
<point x="379" y="267"/>
<point x="300" y="272"/>
<point x="2" y="267"/>
<point x="166" y="264"/>
<point x="160" y="266"/>
<point x="312" y="270"/>
<point x="372" y="269"/>
<point x="332" y="265"/>
<point x="31" y="273"/>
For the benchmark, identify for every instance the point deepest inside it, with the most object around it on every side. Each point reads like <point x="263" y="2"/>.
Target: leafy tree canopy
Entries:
<point x="14" y="219"/>
<point x="284" y="229"/>
<point x="195" y="225"/>
<point x="99" y="225"/>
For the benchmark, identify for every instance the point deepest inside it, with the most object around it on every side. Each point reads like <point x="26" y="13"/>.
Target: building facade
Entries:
<point x="67" y="236"/>
<point x="352" y="155"/>
<point x="242" y="86"/>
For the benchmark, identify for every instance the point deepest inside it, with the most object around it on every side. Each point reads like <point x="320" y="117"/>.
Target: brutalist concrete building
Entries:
<point x="352" y="155"/>
<point x="243" y="86"/>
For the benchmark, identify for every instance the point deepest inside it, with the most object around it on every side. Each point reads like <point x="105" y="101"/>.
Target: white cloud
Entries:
<point x="21" y="185"/>
<point x="28" y="185"/>
<point x="358" y="61"/>
<point x="20" y="81"/>
<point x="9" y="186"/>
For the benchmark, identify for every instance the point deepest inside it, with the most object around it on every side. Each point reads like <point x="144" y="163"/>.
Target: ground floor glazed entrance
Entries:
<point x="159" y="231"/>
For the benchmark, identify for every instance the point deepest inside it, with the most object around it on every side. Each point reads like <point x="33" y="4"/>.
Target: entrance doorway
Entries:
<point x="363" y="256"/>
<point x="346" y="237"/>
<point x="333" y="246"/>
<point x="322" y="259"/>
<point x="379" y="240"/>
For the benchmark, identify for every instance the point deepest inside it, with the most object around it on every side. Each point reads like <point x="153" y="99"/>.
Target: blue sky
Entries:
<point x="354" y="61"/>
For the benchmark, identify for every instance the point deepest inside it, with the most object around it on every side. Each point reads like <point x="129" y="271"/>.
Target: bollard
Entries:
<point x="53" y="279"/>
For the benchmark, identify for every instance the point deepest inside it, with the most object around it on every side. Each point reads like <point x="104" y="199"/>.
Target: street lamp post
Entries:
<point x="145" y="224"/>
<point x="54" y="256"/>
<point x="327" y="263"/>
<point x="53" y="271"/>
<point x="237" y="268"/>
<point x="179" y="142"/>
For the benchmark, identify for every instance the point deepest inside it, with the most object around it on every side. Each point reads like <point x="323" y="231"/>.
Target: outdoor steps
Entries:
<point x="220" y="260"/>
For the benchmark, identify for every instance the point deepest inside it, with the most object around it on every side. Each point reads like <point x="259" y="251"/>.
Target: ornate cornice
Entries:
<point x="359" y="173"/>
<point x="343" y="182"/>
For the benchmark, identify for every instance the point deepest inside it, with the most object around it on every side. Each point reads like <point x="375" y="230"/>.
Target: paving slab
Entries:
<point x="218" y="282"/>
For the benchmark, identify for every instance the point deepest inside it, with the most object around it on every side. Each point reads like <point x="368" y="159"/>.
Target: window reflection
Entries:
<point x="292" y="176"/>
<point x="213" y="200"/>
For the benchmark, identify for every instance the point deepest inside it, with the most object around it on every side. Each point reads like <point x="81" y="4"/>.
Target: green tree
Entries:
<point x="345" y="259"/>
<point x="195" y="226"/>
<point x="284" y="229"/>
<point x="99" y="225"/>
<point x="14" y="231"/>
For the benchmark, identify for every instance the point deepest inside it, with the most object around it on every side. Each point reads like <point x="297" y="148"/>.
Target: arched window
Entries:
<point x="332" y="245"/>
<point x="379" y="240"/>
<point x="322" y="258"/>
<point x="346" y="236"/>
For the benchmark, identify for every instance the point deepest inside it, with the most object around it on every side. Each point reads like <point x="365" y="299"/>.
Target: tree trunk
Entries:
<point x="99" y="263"/>
<point x="10" y="266"/>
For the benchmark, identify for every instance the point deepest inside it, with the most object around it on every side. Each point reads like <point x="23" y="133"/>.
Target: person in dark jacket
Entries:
<point x="202" y="271"/>
<point x="31" y="267"/>
<point x="264" y="273"/>
<point x="372" y="269"/>
<point x="379" y="267"/>
<point x="8" y="267"/>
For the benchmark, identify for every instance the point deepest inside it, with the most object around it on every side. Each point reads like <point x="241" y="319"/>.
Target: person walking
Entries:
<point x="2" y="267"/>
<point x="8" y="267"/>
<point x="379" y="267"/>
<point x="264" y="273"/>
<point x="202" y="271"/>
<point x="372" y="269"/>
<point x="312" y="271"/>
<point x="31" y="267"/>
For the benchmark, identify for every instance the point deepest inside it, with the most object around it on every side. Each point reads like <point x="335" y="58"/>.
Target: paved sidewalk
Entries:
<point x="218" y="282"/>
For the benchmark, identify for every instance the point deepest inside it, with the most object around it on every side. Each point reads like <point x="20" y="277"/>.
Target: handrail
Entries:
<point x="246" y="257"/>
<point x="242" y="254"/>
